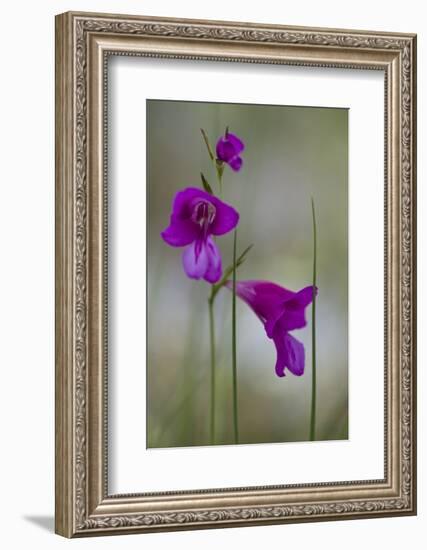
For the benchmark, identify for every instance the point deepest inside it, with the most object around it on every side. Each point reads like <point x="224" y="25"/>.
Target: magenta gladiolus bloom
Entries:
<point x="228" y="149"/>
<point x="281" y="311"/>
<point x="196" y="216"/>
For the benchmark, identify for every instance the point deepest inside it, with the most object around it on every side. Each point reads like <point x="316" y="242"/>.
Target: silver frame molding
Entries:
<point x="83" y="43"/>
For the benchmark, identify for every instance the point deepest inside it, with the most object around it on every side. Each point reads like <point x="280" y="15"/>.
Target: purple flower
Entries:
<point x="196" y="216"/>
<point x="280" y="310"/>
<point x="228" y="148"/>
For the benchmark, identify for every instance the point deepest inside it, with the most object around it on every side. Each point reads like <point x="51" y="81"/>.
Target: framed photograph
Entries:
<point x="235" y="274"/>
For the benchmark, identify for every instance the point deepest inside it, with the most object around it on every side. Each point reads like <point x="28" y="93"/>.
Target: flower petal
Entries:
<point x="224" y="150"/>
<point x="290" y="354"/>
<point x="226" y="217"/>
<point x="265" y="298"/>
<point x="214" y="269"/>
<point x="228" y="147"/>
<point x="296" y="355"/>
<point x="236" y="163"/>
<point x="195" y="260"/>
<point x="235" y="142"/>
<point x="294" y="309"/>
<point x="182" y="207"/>
<point x="271" y="321"/>
<point x="180" y="232"/>
<point x="304" y="297"/>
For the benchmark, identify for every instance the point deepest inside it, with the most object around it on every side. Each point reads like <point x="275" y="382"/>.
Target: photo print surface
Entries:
<point x="247" y="274"/>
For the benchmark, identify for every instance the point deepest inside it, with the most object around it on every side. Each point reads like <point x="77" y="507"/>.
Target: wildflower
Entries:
<point x="280" y="310"/>
<point x="228" y="149"/>
<point x="197" y="216"/>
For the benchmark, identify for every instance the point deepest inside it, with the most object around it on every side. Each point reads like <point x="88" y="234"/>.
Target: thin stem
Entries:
<point x="229" y="271"/>
<point x="313" y="332"/>
<point x="208" y="145"/>
<point x="212" y="350"/>
<point x="234" y="347"/>
<point x="212" y="338"/>
<point x="218" y="167"/>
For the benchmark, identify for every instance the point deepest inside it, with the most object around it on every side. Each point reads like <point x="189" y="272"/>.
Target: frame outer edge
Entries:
<point x="155" y="19"/>
<point x="64" y="237"/>
<point x="415" y="267"/>
<point x="413" y="160"/>
<point x="73" y="509"/>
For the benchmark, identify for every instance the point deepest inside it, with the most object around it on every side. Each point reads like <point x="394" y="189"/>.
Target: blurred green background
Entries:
<point x="291" y="155"/>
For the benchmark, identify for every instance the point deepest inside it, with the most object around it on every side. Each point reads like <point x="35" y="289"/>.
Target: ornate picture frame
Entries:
<point x="84" y="42"/>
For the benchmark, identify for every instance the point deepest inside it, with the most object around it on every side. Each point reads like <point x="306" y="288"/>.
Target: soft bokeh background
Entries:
<point x="292" y="154"/>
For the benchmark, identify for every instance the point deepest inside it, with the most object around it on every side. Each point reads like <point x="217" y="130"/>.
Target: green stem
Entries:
<point x="313" y="332"/>
<point x="234" y="347"/>
<point x="212" y="344"/>
<point x="212" y="351"/>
